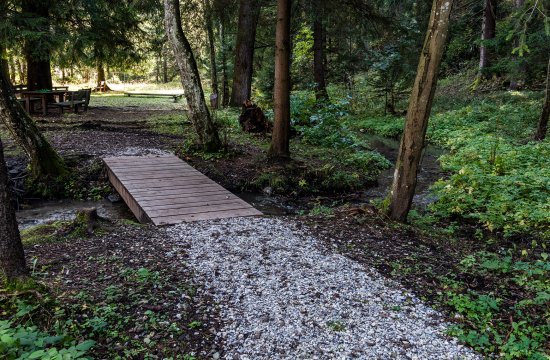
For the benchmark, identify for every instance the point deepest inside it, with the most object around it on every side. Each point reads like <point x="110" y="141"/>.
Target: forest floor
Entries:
<point x="139" y="295"/>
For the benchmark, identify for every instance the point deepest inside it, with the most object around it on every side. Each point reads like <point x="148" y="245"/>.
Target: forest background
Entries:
<point x="352" y="65"/>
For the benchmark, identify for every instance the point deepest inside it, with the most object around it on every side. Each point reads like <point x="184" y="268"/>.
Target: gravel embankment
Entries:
<point x="281" y="296"/>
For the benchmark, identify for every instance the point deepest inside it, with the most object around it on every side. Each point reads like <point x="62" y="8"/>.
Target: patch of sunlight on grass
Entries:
<point x="151" y="103"/>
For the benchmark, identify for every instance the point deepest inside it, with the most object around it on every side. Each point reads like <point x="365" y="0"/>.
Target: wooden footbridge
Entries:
<point x="165" y="190"/>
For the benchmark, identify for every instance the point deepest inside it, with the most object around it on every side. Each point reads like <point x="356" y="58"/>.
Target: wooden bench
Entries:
<point x="19" y="88"/>
<point x="32" y="101"/>
<point x="147" y="94"/>
<point x="77" y="99"/>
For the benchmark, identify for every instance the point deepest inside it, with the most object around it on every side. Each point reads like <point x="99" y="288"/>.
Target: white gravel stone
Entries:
<point x="138" y="151"/>
<point x="281" y="296"/>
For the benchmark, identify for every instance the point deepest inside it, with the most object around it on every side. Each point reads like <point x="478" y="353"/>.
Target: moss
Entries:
<point x="62" y="230"/>
<point x="20" y="285"/>
<point x="45" y="233"/>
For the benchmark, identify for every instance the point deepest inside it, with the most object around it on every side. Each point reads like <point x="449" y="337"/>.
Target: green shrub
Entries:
<point x="504" y="189"/>
<point x="27" y="342"/>
<point x="514" y="329"/>
<point x="20" y="338"/>
<point x="389" y="126"/>
<point x="497" y="180"/>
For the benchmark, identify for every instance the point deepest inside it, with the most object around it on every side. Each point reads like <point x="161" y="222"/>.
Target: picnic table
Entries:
<point x="42" y="96"/>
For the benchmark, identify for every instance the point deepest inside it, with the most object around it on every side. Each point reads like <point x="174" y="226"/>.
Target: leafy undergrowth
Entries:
<point x="490" y="222"/>
<point x="125" y="295"/>
<point x="32" y="326"/>
<point x="499" y="179"/>
<point x="326" y="158"/>
<point x="84" y="180"/>
<point x="497" y="294"/>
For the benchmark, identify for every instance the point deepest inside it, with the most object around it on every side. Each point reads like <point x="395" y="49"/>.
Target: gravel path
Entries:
<point x="282" y="296"/>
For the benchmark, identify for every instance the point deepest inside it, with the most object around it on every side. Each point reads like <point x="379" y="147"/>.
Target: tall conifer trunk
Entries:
<point x="100" y="73"/>
<point x="225" y="80"/>
<point x="420" y="105"/>
<point x="37" y="51"/>
<point x="319" y="40"/>
<point x="212" y="50"/>
<point x="190" y="79"/>
<point x="520" y="68"/>
<point x="164" y="64"/>
<point x="542" y="128"/>
<point x="488" y="32"/>
<point x="281" y="129"/>
<point x="249" y="13"/>
<point x="12" y="256"/>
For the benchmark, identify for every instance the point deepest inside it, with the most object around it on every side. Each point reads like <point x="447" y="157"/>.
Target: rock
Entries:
<point x="114" y="198"/>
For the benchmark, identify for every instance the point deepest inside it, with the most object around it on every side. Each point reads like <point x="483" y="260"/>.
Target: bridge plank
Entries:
<point x="165" y="190"/>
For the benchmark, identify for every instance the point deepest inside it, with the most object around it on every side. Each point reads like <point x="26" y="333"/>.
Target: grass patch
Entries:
<point x="114" y="99"/>
<point x="45" y="233"/>
<point x="171" y="124"/>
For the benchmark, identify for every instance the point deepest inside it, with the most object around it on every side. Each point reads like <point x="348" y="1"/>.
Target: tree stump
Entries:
<point x="87" y="218"/>
<point x="253" y="119"/>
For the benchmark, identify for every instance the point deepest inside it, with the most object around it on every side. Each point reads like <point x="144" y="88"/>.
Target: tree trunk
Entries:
<point x="13" y="70"/>
<point x="488" y="32"/>
<point x="100" y="73"/>
<point x="45" y="162"/>
<point x="225" y="81"/>
<point x="520" y="68"/>
<point x="542" y="128"/>
<point x="36" y="49"/>
<point x="190" y="79"/>
<point x="281" y="129"/>
<point x="4" y="64"/>
<point x="165" y="64"/>
<point x="21" y="71"/>
<point x="249" y="13"/>
<point x="12" y="256"/>
<point x="157" y="68"/>
<point x="319" y="37"/>
<point x="420" y="104"/>
<point x="38" y="74"/>
<point x="212" y="50"/>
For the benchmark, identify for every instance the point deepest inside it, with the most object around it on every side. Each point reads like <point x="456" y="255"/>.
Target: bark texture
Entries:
<point x="281" y="129"/>
<point x="249" y="13"/>
<point x="225" y="80"/>
<point x="100" y="73"/>
<point x="212" y="51"/>
<point x="36" y="49"/>
<point x="190" y="79"/>
<point x="542" y="128"/>
<point x="520" y="68"/>
<point x="319" y="41"/>
<point x="12" y="257"/>
<point x="488" y="32"/>
<point x="45" y="162"/>
<point x="165" y="64"/>
<point x="420" y="104"/>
